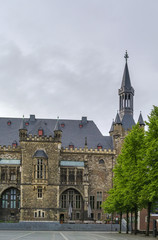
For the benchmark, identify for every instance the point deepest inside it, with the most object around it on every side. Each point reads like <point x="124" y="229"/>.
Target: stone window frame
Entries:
<point x="71" y="196"/>
<point x="99" y="199"/>
<point x="92" y="201"/>
<point x="76" y="177"/>
<point x="4" y="173"/>
<point x="11" y="198"/>
<point x="39" y="192"/>
<point x="39" y="213"/>
<point x="101" y="161"/>
<point x="13" y="174"/>
<point x="40" y="169"/>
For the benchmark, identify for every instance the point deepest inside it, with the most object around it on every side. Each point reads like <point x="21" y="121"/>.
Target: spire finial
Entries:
<point x="126" y="56"/>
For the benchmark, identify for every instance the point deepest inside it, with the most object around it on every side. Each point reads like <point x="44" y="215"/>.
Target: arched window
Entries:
<point x="40" y="163"/>
<point x="11" y="198"/>
<point x="101" y="161"/>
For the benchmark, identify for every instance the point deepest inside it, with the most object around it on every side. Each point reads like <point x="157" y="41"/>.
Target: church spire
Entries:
<point x="126" y="92"/>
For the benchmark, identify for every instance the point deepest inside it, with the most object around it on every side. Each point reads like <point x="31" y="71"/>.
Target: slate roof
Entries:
<point x="112" y="127"/>
<point x="140" y="119"/>
<point x="117" y="119"/>
<point x="71" y="132"/>
<point x="40" y="153"/>
<point x="128" y="121"/>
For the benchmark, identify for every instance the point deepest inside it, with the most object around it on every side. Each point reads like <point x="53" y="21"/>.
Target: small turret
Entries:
<point x="57" y="131"/>
<point x="140" y="120"/>
<point x="117" y="119"/>
<point x="22" y="131"/>
<point x="126" y="92"/>
<point x="112" y="128"/>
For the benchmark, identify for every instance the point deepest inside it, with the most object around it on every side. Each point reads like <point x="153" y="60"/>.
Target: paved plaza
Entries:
<point x="72" y="235"/>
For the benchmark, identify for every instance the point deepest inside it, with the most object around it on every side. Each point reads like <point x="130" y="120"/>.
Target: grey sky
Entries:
<point x="65" y="57"/>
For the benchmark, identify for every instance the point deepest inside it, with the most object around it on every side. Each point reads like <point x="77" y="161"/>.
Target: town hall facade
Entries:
<point x="60" y="170"/>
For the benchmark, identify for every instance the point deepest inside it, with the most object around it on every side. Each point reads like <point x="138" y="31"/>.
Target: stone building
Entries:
<point x="60" y="170"/>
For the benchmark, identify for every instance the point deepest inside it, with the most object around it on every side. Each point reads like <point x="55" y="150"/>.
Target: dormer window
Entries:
<point x="62" y="125"/>
<point x="80" y="125"/>
<point x="14" y="144"/>
<point x="99" y="146"/>
<point x="26" y="123"/>
<point x="40" y="132"/>
<point x="9" y="123"/>
<point x="71" y="146"/>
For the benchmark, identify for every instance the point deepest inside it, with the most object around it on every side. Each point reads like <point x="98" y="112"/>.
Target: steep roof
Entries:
<point x="126" y="82"/>
<point x="117" y="119"/>
<point x="72" y="131"/>
<point x="128" y="121"/>
<point x="140" y="119"/>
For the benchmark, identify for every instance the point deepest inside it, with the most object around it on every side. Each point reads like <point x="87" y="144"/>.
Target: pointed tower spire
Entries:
<point x="57" y="131"/>
<point x="140" y="120"/>
<point x="126" y="92"/>
<point x="112" y="126"/>
<point x="117" y="119"/>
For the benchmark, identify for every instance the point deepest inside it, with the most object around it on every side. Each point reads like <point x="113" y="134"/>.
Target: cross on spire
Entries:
<point x="126" y="56"/>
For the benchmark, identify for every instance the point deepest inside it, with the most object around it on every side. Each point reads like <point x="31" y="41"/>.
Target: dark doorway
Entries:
<point x="61" y="218"/>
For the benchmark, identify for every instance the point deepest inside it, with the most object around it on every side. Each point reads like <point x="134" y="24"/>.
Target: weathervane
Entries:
<point x="126" y="56"/>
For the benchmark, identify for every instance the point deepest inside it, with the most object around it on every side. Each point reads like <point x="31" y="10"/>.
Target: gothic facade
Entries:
<point x="60" y="170"/>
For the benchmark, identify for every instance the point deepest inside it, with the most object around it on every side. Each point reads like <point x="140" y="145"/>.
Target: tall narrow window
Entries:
<point x="99" y="200"/>
<point x="39" y="192"/>
<point x="63" y="201"/>
<point x="13" y="174"/>
<point x="39" y="168"/>
<point x="129" y="101"/>
<point x="5" y="201"/>
<point x="78" y="201"/>
<point x="71" y="175"/>
<point x="92" y="202"/>
<point x="71" y="198"/>
<point x="13" y="198"/>
<point x="3" y="174"/>
<point x="63" y="175"/>
<point x="79" y="176"/>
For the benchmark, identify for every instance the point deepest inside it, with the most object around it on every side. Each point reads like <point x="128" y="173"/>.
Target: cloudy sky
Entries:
<point x="66" y="57"/>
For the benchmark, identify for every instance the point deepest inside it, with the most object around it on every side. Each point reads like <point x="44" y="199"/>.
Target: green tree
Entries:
<point x="127" y="179"/>
<point x="149" y="168"/>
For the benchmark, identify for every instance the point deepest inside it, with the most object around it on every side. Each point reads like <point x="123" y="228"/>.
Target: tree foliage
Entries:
<point x="135" y="182"/>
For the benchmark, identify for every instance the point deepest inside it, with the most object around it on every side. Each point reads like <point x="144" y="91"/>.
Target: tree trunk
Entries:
<point x="131" y="223"/>
<point x="120" y="222"/>
<point x="135" y="223"/>
<point x="127" y="217"/>
<point x="148" y="219"/>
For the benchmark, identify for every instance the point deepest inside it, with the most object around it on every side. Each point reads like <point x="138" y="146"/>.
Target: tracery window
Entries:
<point x="73" y="197"/>
<point x="12" y="174"/>
<point x="79" y="176"/>
<point x="92" y="202"/>
<point x="99" y="200"/>
<point x="71" y="176"/>
<point x="4" y="174"/>
<point x="11" y="198"/>
<point x="39" y="168"/>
